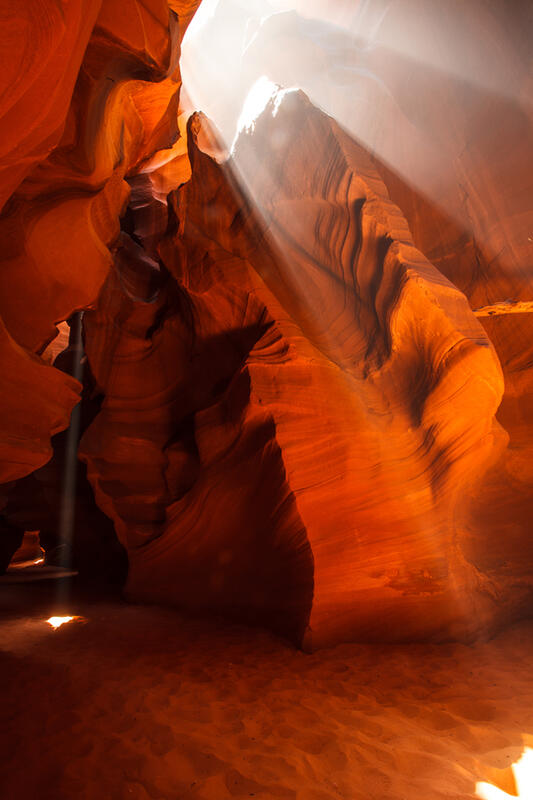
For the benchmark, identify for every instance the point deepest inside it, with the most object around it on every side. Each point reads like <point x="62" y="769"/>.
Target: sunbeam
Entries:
<point x="414" y="85"/>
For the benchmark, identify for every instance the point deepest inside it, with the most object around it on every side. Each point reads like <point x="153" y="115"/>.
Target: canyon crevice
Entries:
<point x="303" y="388"/>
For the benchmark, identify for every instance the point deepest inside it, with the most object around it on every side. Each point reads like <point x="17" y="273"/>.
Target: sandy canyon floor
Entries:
<point x="142" y="703"/>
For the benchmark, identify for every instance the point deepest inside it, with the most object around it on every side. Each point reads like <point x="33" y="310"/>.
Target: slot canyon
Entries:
<point x="266" y="404"/>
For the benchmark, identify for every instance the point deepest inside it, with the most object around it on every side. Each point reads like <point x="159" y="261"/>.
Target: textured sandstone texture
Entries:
<point x="441" y="95"/>
<point x="337" y="406"/>
<point x="89" y="95"/>
<point x="290" y="415"/>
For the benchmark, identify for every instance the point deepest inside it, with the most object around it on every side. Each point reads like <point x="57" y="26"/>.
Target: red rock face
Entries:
<point x="351" y="335"/>
<point x="479" y="234"/>
<point x="296" y="420"/>
<point x="73" y="129"/>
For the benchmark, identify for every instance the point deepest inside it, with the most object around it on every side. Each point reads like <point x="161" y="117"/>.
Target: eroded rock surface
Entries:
<point x="89" y="96"/>
<point x="290" y="415"/>
<point x="329" y="401"/>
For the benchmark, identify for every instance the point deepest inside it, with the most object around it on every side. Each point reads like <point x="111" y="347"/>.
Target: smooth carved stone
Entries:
<point x="400" y="392"/>
<point x="334" y="398"/>
<point x="442" y="96"/>
<point x="36" y="403"/>
<point x="42" y="46"/>
<point x="93" y="96"/>
<point x="179" y="464"/>
<point x="288" y="412"/>
<point x="478" y="229"/>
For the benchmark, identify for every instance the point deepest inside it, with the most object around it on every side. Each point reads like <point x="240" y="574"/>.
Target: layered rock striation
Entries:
<point x="95" y="95"/>
<point x="288" y="413"/>
<point x="330" y="400"/>
<point x="90" y="95"/>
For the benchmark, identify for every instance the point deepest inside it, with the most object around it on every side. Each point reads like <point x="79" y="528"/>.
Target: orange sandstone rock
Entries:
<point x="42" y="49"/>
<point x="310" y="410"/>
<point x="297" y="420"/>
<point x="90" y="95"/>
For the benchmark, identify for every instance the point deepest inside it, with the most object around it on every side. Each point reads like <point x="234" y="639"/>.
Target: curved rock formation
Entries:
<point x="91" y="94"/>
<point x="287" y="411"/>
<point x="315" y="343"/>
<point x="100" y="121"/>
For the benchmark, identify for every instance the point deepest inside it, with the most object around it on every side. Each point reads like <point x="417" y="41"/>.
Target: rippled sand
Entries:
<point x="143" y="704"/>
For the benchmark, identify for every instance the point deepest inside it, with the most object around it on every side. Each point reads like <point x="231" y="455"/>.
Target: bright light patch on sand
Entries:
<point x="523" y="775"/>
<point x="56" y="622"/>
